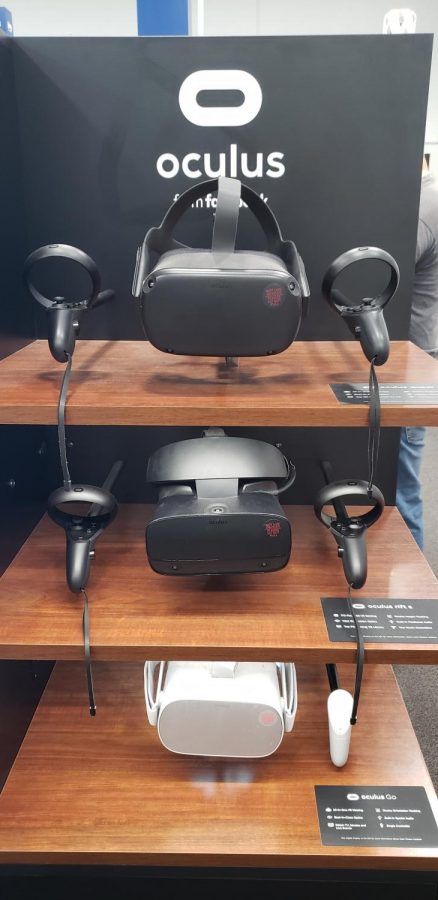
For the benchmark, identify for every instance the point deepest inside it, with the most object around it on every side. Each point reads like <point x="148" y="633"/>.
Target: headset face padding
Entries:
<point x="364" y="319"/>
<point x="220" y="302"/>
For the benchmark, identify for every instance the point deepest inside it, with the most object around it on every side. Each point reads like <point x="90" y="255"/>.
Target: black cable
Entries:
<point x="87" y="654"/>
<point x="67" y="485"/>
<point x="332" y="675"/>
<point x="360" y="659"/>
<point x="373" y="426"/>
<point x="338" y="504"/>
<point x="290" y="478"/>
<point x="61" y="423"/>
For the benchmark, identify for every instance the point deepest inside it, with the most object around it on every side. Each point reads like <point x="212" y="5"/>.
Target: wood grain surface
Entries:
<point x="136" y="614"/>
<point x="132" y="383"/>
<point x="105" y="791"/>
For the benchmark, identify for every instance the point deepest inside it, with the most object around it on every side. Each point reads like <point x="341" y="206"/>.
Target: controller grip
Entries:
<point x="353" y="551"/>
<point x="61" y="332"/>
<point x="339" y="709"/>
<point x="370" y="328"/>
<point x="77" y="563"/>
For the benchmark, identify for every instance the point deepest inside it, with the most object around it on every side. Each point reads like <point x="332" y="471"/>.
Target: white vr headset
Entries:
<point x="224" y="709"/>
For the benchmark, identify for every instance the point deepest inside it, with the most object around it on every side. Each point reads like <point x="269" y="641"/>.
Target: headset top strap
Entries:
<point x="258" y="207"/>
<point x="160" y="240"/>
<point x="227" y="214"/>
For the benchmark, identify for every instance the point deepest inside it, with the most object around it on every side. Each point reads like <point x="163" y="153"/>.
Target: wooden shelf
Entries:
<point x="104" y="790"/>
<point x="131" y="383"/>
<point x="136" y="614"/>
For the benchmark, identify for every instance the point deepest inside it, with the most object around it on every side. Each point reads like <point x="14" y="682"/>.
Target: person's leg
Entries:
<point x="408" y="498"/>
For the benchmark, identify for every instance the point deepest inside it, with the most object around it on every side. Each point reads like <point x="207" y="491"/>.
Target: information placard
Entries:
<point x="390" y="393"/>
<point x="382" y="621"/>
<point x="375" y="816"/>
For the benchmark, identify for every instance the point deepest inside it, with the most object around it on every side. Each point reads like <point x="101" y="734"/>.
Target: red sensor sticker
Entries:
<point x="273" y="295"/>
<point x="272" y="528"/>
<point x="267" y="717"/>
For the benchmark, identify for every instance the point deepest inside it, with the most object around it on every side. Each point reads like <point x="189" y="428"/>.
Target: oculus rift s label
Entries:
<point x="220" y="302"/>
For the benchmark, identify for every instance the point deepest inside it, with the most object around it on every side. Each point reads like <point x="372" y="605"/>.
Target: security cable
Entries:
<point x="290" y="478"/>
<point x="87" y="653"/>
<point x="67" y="485"/>
<point x="360" y="659"/>
<point x="61" y="423"/>
<point x="373" y="425"/>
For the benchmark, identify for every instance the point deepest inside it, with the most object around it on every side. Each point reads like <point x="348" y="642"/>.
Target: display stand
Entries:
<point x="132" y="383"/>
<point x="113" y="770"/>
<point x="90" y="126"/>
<point x="137" y="614"/>
<point x="130" y="802"/>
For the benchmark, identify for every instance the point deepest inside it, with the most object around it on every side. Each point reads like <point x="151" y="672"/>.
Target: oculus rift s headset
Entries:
<point x="223" y="301"/>
<point x="218" y="509"/>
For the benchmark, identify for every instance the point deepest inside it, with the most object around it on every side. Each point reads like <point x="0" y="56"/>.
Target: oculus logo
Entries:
<point x="215" y="80"/>
<point x="228" y="161"/>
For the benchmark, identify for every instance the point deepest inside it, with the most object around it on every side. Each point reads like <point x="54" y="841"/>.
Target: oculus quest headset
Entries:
<point x="366" y="322"/>
<point x="218" y="510"/>
<point x="223" y="301"/>
<point x="82" y="510"/>
<point x="222" y="709"/>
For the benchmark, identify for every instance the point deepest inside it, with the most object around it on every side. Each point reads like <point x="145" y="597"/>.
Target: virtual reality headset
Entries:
<point x="223" y="301"/>
<point x="218" y="509"/>
<point x="224" y="709"/>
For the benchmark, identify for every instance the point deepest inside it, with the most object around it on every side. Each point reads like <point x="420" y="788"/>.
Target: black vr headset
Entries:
<point x="218" y="509"/>
<point x="220" y="302"/>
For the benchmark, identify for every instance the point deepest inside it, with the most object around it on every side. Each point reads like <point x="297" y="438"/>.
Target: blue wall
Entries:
<point x="162" y="17"/>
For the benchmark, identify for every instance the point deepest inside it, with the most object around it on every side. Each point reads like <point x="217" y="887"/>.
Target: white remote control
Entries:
<point x="339" y="709"/>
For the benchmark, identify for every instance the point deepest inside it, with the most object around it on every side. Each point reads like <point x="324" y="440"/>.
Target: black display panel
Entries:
<point x="390" y="393"/>
<point x="381" y="620"/>
<point x="112" y="129"/>
<point x="16" y="315"/>
<point x="376" y="816"/>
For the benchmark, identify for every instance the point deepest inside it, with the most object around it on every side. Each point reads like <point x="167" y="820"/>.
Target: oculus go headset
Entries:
<point x="222" y="301"/>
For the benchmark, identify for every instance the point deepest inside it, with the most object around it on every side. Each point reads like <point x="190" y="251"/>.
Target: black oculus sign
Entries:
<point x="328" y="130"/>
